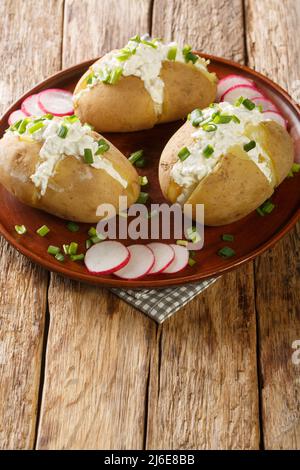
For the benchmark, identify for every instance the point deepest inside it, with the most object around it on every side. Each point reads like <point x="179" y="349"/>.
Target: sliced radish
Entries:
<point x="16" y="116"/>
<point x="106" y="257"/>
<point x="56" y="101"/>
<point x="234" y="93"/>
<point x="140" y="262"/>
<point x="230" y="81"/>
<point x="275" y="116"/>
<point x="180" y="261"/>
<point x="30" y="106"/>
<point x="266" y="104"/>
<point x="163" y="256"/>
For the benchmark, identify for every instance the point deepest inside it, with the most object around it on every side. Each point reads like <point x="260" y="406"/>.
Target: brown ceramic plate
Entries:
<point x="252" y="235"/>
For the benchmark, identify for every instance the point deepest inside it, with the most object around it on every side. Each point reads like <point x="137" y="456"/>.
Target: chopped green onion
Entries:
<point x="226" y="252"/>
<point x="88" y="156"/>
<point x="43" y="230"/>
<point x="209" y="127"/>
<point x="66" y="249"/>
<point x="208" y="151"/>
<point x="196" y="117"/>
<point x="72" y="227"/>
<point x="181" y="242"/>
<point x="136" y="38"/>
<point x="124" y="54"/>
<point x="266" y="208"/>
<point x="188" y="55"/>
<point x="97" y="238"/>
<point x="172" y="52"/>
<point x="62" y="131"/>
<point x="104" y="75"/>
<point x="71" y="119"/>
<point x="135" y="156"/>
<point x="193" y="235"/>
<point x="149" y="43"/>
<point x="36" y="127"/>
<point x="192" y="262"/>
<point x="235" y="119"/>
<point x="20" y="229"/>
<point x="16" y="125"/>
<point x="23" y="125"/>
<point x="92" y="232"/>
<point x="184" y="153"/>
<point x="227" y="237"/>
<point x="140" y="163"/>
<point x="250" y="145"/>
<point x="88" y="243"/>
<point x="103" y="147"/>
<point x="73" y="247"/>
<point x="222" y="119"/>
<point x="53" y="250"/>
<point x="143" y="180"/>
<point x="295" y="167"/>
<point x="143" y="198"/>
<point x="115" y="75"/>
<point x="248" y="104"/>
<point x="60" y="257"/>
<point x="77" y="257"/>
<point x="239" y="101"/>
<point x="48" y="116"/>
<point x="260" y="108"/>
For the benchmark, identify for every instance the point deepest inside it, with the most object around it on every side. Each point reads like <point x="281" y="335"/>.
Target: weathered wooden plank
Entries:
<point x="98" y="347"/>
<point x="273" y="48"/>
<point x="28" y="52"/>
<point x="203" y="380"/>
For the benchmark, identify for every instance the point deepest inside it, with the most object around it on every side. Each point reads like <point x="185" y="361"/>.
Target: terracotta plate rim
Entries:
<point x="169" y="281"/>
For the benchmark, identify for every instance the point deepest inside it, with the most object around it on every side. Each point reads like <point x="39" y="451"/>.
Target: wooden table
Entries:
<point x="80" y="368"/>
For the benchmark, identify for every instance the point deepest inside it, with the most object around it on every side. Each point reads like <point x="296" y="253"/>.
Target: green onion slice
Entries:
<point x="88" y="243"/>
<point x="78" y="257"/>
<point x="172" y="52"/>
<point x="43" y="230"/>
<point x="227" y="237"/>
<point x="192" y="262"/>
<point x="60" y="257"/>
<point x="140" y="163"/>
<point x="295" y="167"/>
<point x="208" y="151"/>
<point x="53" y="250"/>
<point x="181" y="242"/>
<point x="92" y="232"/>
<point x="226" y="252"/>
<point x="73" y="247"/>
<point x="248" y="104"/>
<point x="103" y="147"/>
<point x="196" y="117"/>
<point x="209" y="127"/>
<point x="267" y="207"/>
<point x="20" y="229"/>
<point x="36" y="127"/>
<point x="72" y="227"/>
<point x="62" y="131"/>
<point x="71" y="119"/>
<point x="143" y="180"/>
<point x="184" y="153"/>
<point x="222" y="119"/>
<point x="23" y="125"/>
<point x="66" y="249"/>
<point x="115" y="75"/>
<point x="250" y="145"/>
<point x="135" y="156"/>
<point x="88" y="156"/>
<point x="143" y="198"/>
<point x="239" y="101"/>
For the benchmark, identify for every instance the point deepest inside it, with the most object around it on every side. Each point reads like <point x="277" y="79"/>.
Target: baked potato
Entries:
<point x="143" y="84"/>
<point x="228" y="158"/>
<point x="64" y="168"/>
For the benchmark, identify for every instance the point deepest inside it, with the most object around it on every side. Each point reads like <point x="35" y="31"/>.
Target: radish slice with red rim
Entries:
<point x="56" y="101"/>
<point x="31" y="107"/>
<point x="140" y="262"/>
<point x="275" y="116"/>
<point x="266" y="104"/>
<point x="163" y="256"/>
<point x="247" y="91"/>
<point x="230" y="81"/>
<point x="15" y="116"/>
<point x="106" y="257"/>
<point x="180" y="261"/>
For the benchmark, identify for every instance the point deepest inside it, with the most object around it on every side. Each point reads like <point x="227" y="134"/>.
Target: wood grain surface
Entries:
<point x="217" y="375"/>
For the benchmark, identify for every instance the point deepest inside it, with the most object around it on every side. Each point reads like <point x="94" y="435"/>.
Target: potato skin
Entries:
<point x="127" y="106"/>
<point x="236" y="186"/>
<point x="74" y="191"/>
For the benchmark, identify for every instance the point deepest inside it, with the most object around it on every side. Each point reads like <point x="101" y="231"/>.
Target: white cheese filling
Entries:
<point x="196" y="166"/>
<point x="55" y="148"/>
<point x="145" y="62"/>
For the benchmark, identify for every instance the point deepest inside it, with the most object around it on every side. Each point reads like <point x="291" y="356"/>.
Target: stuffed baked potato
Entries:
<point x="62" y="167"/>
<point x="143" y="84"/>
<point x="228" y="158"/>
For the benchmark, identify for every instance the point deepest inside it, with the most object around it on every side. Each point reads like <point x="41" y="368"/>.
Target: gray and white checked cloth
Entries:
<point x="160" y="304"/>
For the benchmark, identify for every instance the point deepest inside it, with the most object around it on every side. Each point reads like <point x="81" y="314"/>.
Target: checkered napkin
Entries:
<point x="160" y="304"/>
